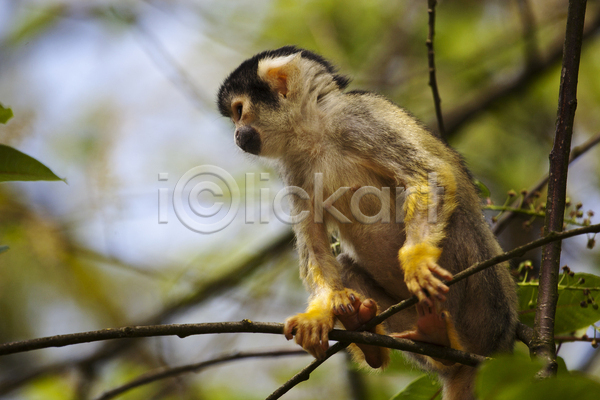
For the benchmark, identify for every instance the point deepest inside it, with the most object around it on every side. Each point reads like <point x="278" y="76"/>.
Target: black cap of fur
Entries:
<point x="244" y="79"/>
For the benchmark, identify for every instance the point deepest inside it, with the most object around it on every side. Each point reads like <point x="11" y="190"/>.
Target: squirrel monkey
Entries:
<point x="400" y="201"/>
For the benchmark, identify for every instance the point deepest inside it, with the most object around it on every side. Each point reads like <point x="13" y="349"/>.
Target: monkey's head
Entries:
<point x="275" y="96"/>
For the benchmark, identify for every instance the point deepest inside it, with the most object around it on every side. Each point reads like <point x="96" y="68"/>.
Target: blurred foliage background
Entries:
<point x="111" y="93"/>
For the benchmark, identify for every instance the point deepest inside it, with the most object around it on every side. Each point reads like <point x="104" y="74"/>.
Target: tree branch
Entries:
<point x="585" y="338"/>
<point x="437" y="101"/>
<point x="524" y="333"/>
<point x="542" y="344"/>
<point x="244" y="326"/>
<point x="181" y="330"/>
<point x="507" y="217"/>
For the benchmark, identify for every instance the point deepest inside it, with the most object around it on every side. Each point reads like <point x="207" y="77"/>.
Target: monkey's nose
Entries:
<point x="248" y="139"/>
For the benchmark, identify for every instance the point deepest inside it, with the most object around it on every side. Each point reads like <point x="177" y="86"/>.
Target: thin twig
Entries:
<point x="507" y="217"/>
<point x="304" y="374"/>
<point x="437" y="101"/>
<point x="542" y="344"/>
<point x="163" y="373"/>
<point x="345" y="337"/>
<point x="562" y="339"/>
<point x="181" y="330"/>
<point x="524" y="333"/>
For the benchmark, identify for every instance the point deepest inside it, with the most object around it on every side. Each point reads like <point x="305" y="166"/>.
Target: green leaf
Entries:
<point x="422" y="388"/>
<point x="3" y="249"/>
<point x="505" y="375"/>
<point x="5" y="114"/>
<point x="570" y="315"/>
<point x="17" y="166"/>
<point x="509" y="377"/>
<point x="562" y="387"/>
<point x="484" y="191"/>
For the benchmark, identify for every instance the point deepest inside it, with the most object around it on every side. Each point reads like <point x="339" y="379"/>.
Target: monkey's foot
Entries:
<point x="343" y="302"/>
<point x="311" y="330"/>
<point x="432" y="327"/>
<point x="365" y="311"/>
<point x="422" y="273"/>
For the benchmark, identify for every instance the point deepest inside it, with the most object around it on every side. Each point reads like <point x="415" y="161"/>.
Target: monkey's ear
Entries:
<point x="278" y="72"/>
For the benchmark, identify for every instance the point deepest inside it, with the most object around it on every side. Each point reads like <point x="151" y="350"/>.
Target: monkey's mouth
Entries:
<point x="248" y="139"/>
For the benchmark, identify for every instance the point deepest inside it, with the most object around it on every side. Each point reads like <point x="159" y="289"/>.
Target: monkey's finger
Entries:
<point x="312" y="352"/>
<point x="288" y="328"/>
<point x="314" y="336"/>
<point x="350" y="307"/>
<point x="325" y="340"/>
<point x="318" y="352"/>
<point x="434" y="295"/>
<point x="439" y="287"/>
<point x="307" y="334"/>
<point x="339" y="309"/>
<point x="427" y="281"/>
<point x="434" y="286"/>
<point x="423" y="310"/>
<point x="441" y="272"/>
<point x="314" y="341"/>
<point x="439" y="296"/>
<point x="415" y="288"/>
<point x="423" y="299"/>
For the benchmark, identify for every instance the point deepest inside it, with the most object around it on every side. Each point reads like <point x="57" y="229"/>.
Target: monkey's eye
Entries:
<point x="239" y="108"/>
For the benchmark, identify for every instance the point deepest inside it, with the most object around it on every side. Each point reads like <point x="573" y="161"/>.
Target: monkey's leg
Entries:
<point x="375" y="356"/>
<point x="437" y="328"/>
